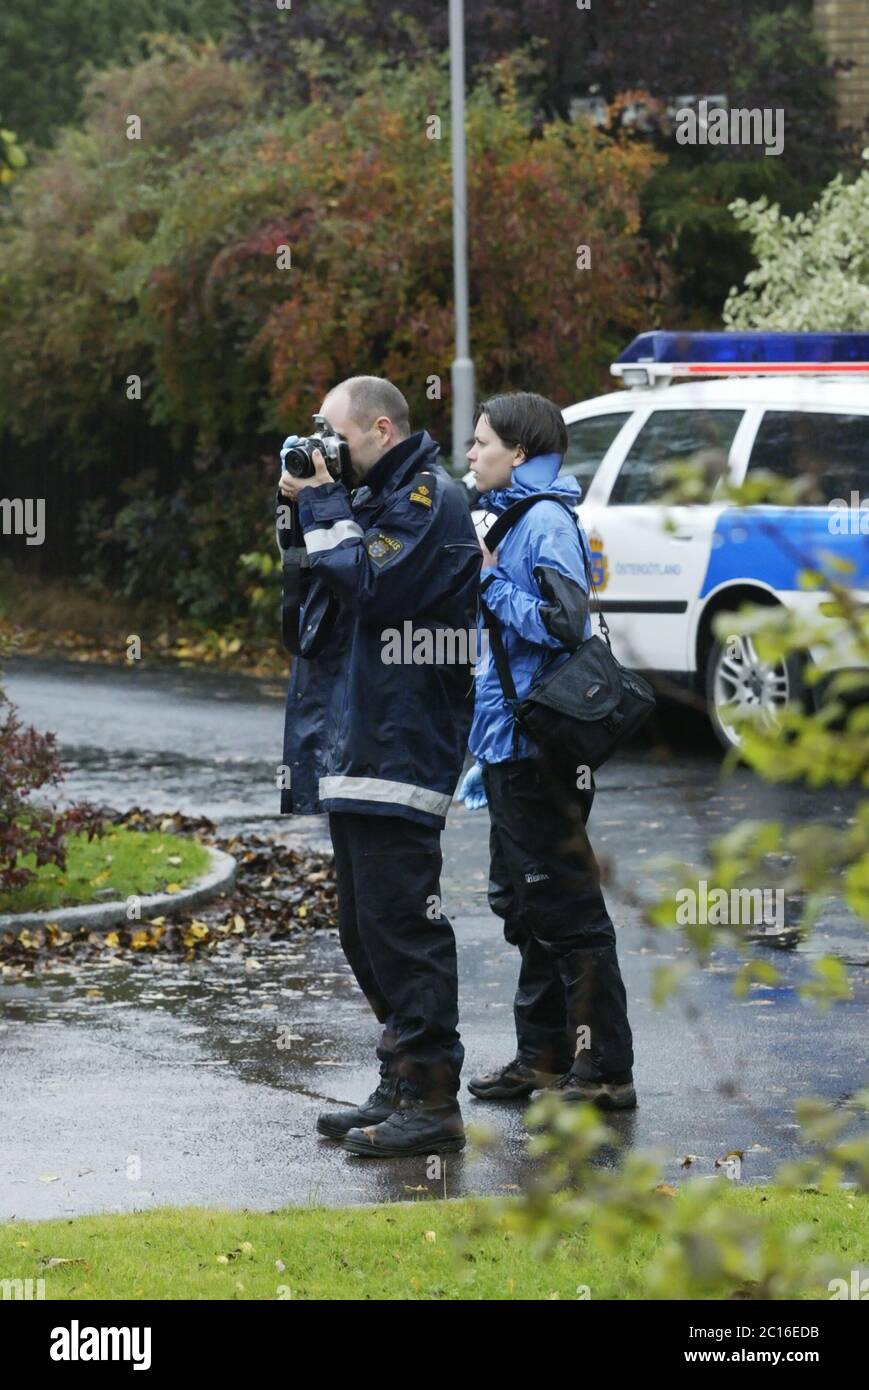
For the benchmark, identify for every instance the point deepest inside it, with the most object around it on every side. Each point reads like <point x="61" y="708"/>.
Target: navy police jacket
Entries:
<point x="381" y="613"/>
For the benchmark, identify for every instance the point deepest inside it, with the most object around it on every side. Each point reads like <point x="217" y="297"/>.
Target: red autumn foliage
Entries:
<point x="29" y="761"/>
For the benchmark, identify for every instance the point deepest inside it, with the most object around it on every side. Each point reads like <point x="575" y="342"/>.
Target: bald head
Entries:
<point x="371" y="414"/>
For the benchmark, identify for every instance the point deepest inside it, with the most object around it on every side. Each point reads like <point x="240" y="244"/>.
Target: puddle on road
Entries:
<point x="221" y="788"/>
<point x="253" y="1008"/>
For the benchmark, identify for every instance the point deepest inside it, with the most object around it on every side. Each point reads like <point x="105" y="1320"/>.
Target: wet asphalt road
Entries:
<point x="130" y="1086"/>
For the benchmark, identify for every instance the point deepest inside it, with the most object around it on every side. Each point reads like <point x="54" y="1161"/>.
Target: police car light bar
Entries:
<point x="661" y="357"/>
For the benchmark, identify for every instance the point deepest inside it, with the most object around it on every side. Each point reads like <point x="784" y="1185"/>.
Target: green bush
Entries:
<point x="142" y="295"/>
<point x="158" y="257"/>
<point x="182" y="550"/>
<point x="47" y="49"/>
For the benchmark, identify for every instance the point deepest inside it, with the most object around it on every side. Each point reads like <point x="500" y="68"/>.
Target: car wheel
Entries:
<point x="739" y="684"/>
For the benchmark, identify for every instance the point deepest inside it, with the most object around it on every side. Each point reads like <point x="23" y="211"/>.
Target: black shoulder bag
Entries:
<point x="591" y="704"/>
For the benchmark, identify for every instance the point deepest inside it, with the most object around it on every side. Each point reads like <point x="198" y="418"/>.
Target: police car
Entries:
<point x="737" y="404"/>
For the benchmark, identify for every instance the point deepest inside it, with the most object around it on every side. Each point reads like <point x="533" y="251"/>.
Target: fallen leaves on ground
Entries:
<point x="278" y="892"/>
<point x="249" y="654"/>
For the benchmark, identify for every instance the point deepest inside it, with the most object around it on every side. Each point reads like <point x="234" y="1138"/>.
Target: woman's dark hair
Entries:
<point x="526" y="421"/>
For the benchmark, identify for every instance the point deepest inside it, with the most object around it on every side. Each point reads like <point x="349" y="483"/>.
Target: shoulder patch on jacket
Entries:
<point x="382" y="548"/>
<point x="422" y="489"/>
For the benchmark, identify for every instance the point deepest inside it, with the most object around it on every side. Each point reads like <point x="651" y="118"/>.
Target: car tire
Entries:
<point x="737" y="679"/>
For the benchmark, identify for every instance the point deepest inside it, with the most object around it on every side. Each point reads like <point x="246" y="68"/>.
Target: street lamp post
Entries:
<point x="462" y="367"/>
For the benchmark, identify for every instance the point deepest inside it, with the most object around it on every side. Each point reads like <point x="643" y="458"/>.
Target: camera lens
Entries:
<point x="298" y="461"/>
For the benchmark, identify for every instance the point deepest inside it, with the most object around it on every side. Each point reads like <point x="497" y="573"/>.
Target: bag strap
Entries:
<point x="498" y="530"/>
<point x="592" y="588"/>
<point x="508" y="518"/>
<point x="502" y="665"/>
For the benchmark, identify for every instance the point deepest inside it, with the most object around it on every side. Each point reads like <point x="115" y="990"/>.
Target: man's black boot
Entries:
<point x="381" y="1103"/>
<point x="416" y="1127"/>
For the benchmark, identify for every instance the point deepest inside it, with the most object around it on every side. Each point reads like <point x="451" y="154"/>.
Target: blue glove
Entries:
<point x="287" y="445"/>
<point x="472" y="792"/>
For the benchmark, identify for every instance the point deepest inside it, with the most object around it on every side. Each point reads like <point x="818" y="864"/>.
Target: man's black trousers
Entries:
<point x="570" y="1006"/>
<point x="400" y="945"/>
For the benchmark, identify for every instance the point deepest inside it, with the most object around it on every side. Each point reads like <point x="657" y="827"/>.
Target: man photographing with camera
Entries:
<point x="390" y="738"/>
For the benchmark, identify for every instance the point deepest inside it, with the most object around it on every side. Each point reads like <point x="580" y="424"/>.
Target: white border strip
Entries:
<point x="323" y="539"/>
<point x="390" y="793"/>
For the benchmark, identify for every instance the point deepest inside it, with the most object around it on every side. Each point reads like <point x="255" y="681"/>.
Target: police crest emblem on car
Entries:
<point x="599" y="566"/>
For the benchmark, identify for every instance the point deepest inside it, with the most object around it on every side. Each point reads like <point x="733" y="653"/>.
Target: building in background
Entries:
<point x="844" y="28"/>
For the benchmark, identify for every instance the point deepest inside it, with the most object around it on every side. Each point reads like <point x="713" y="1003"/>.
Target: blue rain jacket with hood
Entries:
<point x="538" y="591"/>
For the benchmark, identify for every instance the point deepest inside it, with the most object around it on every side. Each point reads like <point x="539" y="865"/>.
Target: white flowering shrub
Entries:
<point x="813" y="271"/>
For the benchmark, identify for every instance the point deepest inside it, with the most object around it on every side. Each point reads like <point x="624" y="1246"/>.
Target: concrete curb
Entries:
<point x="102" y="916"/>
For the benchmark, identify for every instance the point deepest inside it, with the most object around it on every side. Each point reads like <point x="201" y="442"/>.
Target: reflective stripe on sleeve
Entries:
<point x="326" y="538"/>
<point x="391" y="793"/>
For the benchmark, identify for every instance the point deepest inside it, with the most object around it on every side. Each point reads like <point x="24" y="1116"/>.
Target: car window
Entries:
<point x="588" y="441"/>
<point x="674" y="436"/>
<point x="830" y="451"/>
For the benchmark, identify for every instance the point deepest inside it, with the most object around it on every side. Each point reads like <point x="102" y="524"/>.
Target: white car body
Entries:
<point x="655" y="560"/>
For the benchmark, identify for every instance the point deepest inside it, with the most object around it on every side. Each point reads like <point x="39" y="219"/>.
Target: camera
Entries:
<point x="297" y="454"/>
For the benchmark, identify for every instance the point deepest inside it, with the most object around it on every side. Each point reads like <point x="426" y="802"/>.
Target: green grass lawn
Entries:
<point x="420" y="1250"/>
<point x="121" y="862"/>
